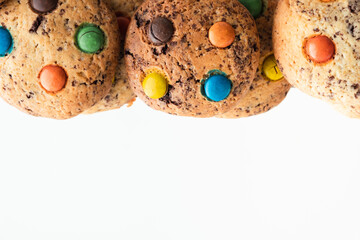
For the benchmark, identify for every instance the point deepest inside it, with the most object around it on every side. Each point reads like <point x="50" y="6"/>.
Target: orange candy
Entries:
<point x="221" y="34"/>
<point x="320" y="49"/>
<point x="123" y="25"/>
<point x="53" y="78"/>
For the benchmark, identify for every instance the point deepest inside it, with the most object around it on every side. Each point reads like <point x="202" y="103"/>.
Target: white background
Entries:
<point x="138" y="174"/>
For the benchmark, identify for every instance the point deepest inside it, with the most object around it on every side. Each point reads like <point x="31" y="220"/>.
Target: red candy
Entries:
<point x="53" y="78"/>
<point x="221" y="34"/>
<point x="320" y="49"/>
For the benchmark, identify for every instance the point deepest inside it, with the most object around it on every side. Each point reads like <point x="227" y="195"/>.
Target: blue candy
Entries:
<point x="217" y="88"/>
<point x="6" y="42"/>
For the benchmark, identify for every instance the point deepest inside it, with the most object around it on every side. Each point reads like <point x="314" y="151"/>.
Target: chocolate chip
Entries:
<point x="161" y="30"/>
<point x="43" y="6"/>
<point x="354" y="6"/>
<point x="357" y="94"/>
<point x="164" y="49"/>
<point x="36" y="24"/>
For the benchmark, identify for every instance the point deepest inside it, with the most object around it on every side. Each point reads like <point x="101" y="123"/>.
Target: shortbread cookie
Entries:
<point x="60" y="56"/>
<point x="120" y="93"/>
<point x="192" y="58"/>
<point x="317" y="44"/>
<point x="269" y="87"/>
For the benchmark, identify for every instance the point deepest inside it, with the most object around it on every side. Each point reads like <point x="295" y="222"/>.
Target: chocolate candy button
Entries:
<point x="320" y="49"/>
<point x="161" y="30"/>
<point x="53" y="78"/>
<point x="270" y="69"/>
<point x="254" y="6"/>
<point x="43" y="6"/>
<point x="90" y="38"/>
<point x="217" y="88"/>
<point x="221" y="34"/>
<point x="6" y="42"/>
<point x="155" y="85"/>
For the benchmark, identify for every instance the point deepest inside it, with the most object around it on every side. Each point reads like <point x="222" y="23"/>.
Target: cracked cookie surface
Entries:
<point x="300" y="26"/>
<point x="188" y="58"/>
<point x="47" y="41"/>
<point x="264" y="94"/>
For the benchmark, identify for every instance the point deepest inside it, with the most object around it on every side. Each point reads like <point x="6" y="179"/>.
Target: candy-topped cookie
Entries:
<point x="269" y="87"/>
<point x="120" y="92"/>
<point x="317" y="45"/>
<point x="192" y="58"/>
<point x="57" y="57"/>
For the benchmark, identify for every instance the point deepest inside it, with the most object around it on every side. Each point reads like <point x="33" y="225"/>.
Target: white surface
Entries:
<point x="135" y="174"/>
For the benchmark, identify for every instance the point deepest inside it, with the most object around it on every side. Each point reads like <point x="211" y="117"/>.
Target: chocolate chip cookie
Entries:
<point x="120" y="92"/>
<point x="59" y="56"/>
<point x="317" y="45"/>
<point x="192" y="58"/>
<point x="269" y="87"/>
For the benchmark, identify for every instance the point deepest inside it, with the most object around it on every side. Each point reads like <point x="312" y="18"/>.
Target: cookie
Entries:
<point x="317" y="44"/>
<point x="120" y="92"/>
<point x="269" y="87"/>
<point x="59" y="57"/>
<point x="192" y="58"/>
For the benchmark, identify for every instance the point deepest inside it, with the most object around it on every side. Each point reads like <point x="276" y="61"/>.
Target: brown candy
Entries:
<point x="161" y="30"/>
<point x="43" y="6"/>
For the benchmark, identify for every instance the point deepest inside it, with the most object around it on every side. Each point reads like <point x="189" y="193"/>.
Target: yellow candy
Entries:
<point x="155" y="85"/>
<point x="270" y="69"/>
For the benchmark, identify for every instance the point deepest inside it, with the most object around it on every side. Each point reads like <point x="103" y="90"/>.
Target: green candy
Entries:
<point x="90" y="38"/>
<point x="254" y="6"/>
